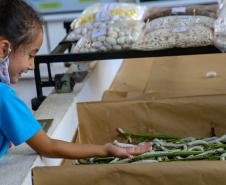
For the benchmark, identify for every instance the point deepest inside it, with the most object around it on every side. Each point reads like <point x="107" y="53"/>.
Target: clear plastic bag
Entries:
<point x="81" y="31"/>
<point x="109" y="11"/>
<point x="176" y="32"/>
<point x="107" y="36"/>
<point x="220" y="27"/>
<point x="203" y="10"/>
<point x="221" y="4"/>
<point x="180" y="21"/>
<point x="104" y="12"/>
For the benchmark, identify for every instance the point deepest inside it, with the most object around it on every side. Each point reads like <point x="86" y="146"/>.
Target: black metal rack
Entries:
<point x="59" y="55"/>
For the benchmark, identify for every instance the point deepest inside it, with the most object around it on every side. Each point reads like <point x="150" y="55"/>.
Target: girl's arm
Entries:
<point x="53" y="148"/>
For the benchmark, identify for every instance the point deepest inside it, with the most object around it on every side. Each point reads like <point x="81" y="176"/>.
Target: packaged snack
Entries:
<point x="176" y="31"/>
<point x="108" y="36"/>
<point x="179" y="21"/>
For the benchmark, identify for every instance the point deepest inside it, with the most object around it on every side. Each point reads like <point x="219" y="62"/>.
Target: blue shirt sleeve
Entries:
<point x="17" y="122"/>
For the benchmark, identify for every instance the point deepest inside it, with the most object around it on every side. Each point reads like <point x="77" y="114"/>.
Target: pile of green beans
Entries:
<point x="166" y="149"/>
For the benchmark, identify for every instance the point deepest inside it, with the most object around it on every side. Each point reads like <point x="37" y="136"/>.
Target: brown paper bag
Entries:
<point x="169" y="77"/>
<point x="133" y="75"/>
<point x="175" y="173"/>
<point x="177" y="117"/>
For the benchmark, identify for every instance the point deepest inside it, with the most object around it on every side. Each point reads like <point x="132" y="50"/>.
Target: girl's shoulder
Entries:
<point x="6" y="90"/>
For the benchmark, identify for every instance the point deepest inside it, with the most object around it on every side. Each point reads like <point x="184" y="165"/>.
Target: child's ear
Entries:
<point x="4" y="47"/>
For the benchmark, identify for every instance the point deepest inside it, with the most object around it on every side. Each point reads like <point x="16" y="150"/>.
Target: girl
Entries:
<point x="21" y="37"/>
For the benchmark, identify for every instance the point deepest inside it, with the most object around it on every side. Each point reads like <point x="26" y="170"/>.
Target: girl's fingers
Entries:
<point x="139" y="149"/>
<point x="129" y="152"/>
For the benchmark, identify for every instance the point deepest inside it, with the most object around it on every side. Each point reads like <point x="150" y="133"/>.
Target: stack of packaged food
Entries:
<point x="123" y="26"/>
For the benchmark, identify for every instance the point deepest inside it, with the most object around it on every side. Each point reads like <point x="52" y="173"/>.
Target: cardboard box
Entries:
<point x="169" y="77"/>
<point x="178" y="117"/>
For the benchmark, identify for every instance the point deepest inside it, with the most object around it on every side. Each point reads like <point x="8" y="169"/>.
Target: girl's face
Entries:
<point x="22" y="59"/>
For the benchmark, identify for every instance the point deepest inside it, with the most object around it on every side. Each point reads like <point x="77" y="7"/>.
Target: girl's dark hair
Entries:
<point x="18" y="22"/>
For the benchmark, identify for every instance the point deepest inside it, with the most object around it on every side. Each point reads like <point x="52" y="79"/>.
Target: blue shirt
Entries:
<point x="17" y="124"/>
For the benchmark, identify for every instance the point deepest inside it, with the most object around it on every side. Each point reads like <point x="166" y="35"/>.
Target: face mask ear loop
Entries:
<point x="9" y="51"/>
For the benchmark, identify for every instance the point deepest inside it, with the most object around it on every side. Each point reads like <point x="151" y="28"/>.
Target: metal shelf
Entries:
<point x="59" y="55"/>
<point x="55" y="57"/>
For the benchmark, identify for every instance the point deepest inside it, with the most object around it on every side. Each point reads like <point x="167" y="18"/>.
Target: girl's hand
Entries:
<point x="116" y="151"/>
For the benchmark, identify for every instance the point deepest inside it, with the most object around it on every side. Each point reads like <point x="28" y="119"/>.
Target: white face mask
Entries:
<point x="4" y="73"/>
